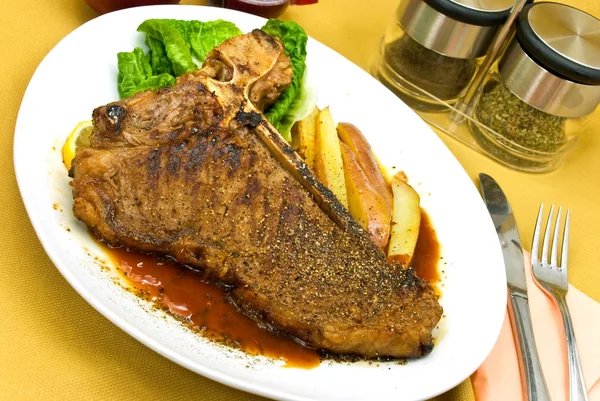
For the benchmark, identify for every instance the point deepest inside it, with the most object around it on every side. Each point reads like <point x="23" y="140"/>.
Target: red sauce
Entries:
<point x="106" y="6"/>
<point x="183" y="292"/>
<point x="264" y="8"/>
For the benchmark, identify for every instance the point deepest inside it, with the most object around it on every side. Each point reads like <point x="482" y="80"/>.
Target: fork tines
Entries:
<point x="554" y="253"/>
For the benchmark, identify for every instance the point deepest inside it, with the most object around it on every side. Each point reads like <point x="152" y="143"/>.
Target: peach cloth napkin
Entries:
<point x="498" y="377"/>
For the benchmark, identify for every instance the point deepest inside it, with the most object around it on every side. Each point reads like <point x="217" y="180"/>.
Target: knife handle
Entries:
<point x="532" y="376"/>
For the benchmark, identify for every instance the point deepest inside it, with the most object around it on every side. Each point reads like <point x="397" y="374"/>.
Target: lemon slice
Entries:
<point x="78" y="138"/>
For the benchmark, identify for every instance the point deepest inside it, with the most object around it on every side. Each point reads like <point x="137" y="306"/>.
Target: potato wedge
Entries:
<point x="329" y="166"/>
<point x="303" y="137"/>
<point x="358" y="144"/>
<point x="406" y="220"/>
<point x="365" y="203"/>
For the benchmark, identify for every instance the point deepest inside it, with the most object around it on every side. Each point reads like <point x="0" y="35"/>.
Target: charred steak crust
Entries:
<point x="184" y="172"/>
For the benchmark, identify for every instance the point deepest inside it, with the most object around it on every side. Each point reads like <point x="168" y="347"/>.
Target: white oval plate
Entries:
<point x="79" y="74"/>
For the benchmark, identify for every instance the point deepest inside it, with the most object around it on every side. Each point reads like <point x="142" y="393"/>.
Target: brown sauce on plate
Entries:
<point x="183" y="293"/>
<point x="427" y="252"/>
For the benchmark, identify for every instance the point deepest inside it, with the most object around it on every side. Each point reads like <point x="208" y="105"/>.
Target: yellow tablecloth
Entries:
<point x="53" y="345"/>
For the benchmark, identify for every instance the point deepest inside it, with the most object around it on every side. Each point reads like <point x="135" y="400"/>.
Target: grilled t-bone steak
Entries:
<point x="196" y="172"/>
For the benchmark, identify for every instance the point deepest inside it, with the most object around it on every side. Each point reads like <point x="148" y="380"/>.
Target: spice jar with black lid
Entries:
<point x="534" y="103"/>
<point x="431" y="50"/>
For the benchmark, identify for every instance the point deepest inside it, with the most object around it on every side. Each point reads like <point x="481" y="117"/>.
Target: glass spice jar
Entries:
<point x="431" y="51"/>
<point x="536" y="100"/>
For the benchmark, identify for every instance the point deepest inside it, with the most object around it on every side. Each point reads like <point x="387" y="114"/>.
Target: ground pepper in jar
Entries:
<point x="431" y="51"/>
<point x="519" y="122"/>
<point x="443" y="77"/>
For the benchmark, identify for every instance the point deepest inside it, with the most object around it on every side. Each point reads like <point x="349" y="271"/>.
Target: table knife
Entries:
<point x="532" y="377"/>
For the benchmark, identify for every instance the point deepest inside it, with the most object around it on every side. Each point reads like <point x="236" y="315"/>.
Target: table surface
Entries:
<point x="55" y="346"/>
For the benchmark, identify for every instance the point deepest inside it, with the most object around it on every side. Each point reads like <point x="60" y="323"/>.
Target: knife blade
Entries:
<point x="506" y="227"/>
<point x="532" y="377"/>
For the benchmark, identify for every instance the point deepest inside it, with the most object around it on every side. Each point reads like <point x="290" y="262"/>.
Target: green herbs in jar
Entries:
<point x="519" y="123"/>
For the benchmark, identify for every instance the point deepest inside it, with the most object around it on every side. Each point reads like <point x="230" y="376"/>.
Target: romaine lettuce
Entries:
<point x="199" y="37"/>
<point x="205" y="36"/>
<point x="159" y="60"/>
<point x="300" y="108"/>
<point x="283" y="113"/>
<point x="135" y="74"/>
<point x="176" y="47"/>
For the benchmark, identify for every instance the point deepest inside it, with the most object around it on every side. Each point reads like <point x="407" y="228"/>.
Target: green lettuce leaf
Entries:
<point x="199" y="37"/>
<point x="302" y="105"/>
<point x="294" y="40"/>
<point x="202" y="37"/>
<point x="175" y="45"/>
<point x="135" y="74"/>
<point x="158" y="57"/>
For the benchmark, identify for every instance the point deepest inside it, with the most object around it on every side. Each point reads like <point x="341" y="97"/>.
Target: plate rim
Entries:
<point x="37" y="223"/>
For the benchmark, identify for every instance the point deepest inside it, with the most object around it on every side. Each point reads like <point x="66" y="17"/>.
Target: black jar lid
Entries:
<point x="561" y="39"/>
<point x="474" y="12"/>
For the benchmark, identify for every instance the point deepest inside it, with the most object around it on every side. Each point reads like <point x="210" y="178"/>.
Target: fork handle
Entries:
<point x="577" y="388"/>
<point x="532" y="376"/>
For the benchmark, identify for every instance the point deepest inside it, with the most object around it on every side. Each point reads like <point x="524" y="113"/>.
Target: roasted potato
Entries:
<point x="365" y="203"/>
<point x="328" y="165"/>
<point x="303" y="137"/>
<point x="358" y="144"/>
<point x="406" y="221"/>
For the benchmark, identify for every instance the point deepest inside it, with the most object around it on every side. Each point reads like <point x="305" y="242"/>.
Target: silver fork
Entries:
<point x="554" y="281"/>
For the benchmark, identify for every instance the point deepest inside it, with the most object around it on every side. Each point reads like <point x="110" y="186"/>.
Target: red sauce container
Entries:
<point x="264" y="8"/>
<point x="106" y="6"/>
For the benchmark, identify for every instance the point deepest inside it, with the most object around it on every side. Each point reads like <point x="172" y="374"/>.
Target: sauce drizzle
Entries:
<point x="183" y="293"/>
<point x="427" y="252"/>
